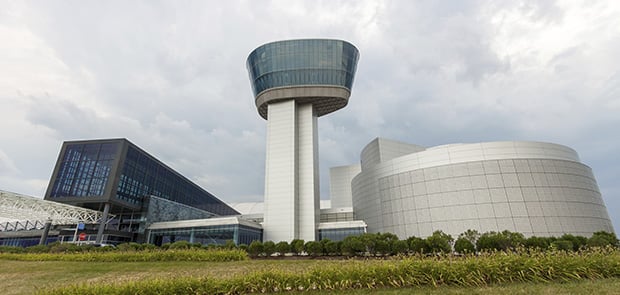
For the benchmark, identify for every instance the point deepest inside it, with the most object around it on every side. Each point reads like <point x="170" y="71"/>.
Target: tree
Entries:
<point x="440" y="242"/>
<point x="283" y="247"/>
<point x="602" y="239"/>
<point x="314" y="248"/>
<point x="269" y="247"/>
<point x="297" y="246"/>
<point x="255" y="248"/>
<point x="418" y="245"/>
<point x="541" y="243"/>
<point x="385" y="242"/>
<point x="503" y="241"/>
<point x="563" y="245"/>
<point x="578" y="241"/>
<point x="352" y="245"/>
<point x="331" y="248"/>
<point x="399" y="247"/>
<point x="464" y="246"/>
<point x="370" y="242"/>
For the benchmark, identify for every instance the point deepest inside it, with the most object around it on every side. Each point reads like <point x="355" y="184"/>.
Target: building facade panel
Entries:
<point x="483" y="191"/>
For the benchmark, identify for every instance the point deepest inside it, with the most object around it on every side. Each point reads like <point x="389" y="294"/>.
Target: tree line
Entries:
<point x="468" y="242"/>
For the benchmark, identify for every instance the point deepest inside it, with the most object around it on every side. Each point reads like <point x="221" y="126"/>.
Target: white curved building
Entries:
<point x="534" y="188"/>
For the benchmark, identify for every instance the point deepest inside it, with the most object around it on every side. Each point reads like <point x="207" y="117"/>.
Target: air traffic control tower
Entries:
<point x="295" y="82"/>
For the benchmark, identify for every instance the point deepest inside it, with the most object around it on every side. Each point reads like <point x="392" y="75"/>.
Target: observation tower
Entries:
<point x="295" y="82"/>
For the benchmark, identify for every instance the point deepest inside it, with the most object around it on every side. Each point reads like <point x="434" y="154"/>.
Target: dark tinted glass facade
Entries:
<point x="84" y="170"/>
<point x="302" y="62"/>
<point x="143" y="176"/>
<point x="119" y="173"/>
<point x="218" y="234"/>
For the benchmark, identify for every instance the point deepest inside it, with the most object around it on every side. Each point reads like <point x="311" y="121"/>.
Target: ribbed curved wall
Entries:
<point x="534" y="188"/>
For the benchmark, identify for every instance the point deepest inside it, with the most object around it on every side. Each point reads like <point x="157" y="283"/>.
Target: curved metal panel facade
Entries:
<point x="533" y="188"/>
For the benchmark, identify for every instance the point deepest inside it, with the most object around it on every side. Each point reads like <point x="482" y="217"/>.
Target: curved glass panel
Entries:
<point x="302" y="62"/>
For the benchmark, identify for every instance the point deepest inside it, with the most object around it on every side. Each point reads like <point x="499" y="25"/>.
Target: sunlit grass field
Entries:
<point x="27" y="277"/>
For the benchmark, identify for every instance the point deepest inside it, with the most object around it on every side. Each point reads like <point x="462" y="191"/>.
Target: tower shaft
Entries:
<point x="291" y="179"/>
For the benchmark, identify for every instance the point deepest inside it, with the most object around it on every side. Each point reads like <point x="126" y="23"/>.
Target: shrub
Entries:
<point x="255" y="248"/>
<point x="399" y="247"/>
<point x="38" y="249"/>
<point x="578" y="242"/>
<point x="269" y="247"/>
<point x="602" y="239"/>
<point x="418" y="245"/>
<point x="314" y="248"/>
<point x="13" y="249"/>
<point x="297" y="246"/>
<point x="331" y="248"/>
<point x="563" y="245"/>
<point x="181" y="245"/>
<point x="440" y="242"/>
<point x="464" y="246"/>
<point x="283" y="247"/>
<point x="352" y="245"/>
<point x="229" y="244"/>
<point x="503" y="241"/>
<point x="541" y="243"/>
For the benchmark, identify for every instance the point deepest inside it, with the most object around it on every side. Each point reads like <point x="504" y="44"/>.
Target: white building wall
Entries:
<point x="340" y="185"/>
<point x="534" y="188"/>
<point x="308" y="212"/>
<point x="291" y="179"/>
<point x="280" y="173"/>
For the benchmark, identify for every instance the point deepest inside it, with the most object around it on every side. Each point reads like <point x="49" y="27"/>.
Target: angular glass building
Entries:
<point x="117" y="177"/>
<point x="295" y="82"/>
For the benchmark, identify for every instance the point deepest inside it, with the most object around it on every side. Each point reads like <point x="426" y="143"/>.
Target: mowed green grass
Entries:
<point x="26" y="277"/>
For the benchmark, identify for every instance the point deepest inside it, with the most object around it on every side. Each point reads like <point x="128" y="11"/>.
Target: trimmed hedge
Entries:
<point x="134" y="256"/>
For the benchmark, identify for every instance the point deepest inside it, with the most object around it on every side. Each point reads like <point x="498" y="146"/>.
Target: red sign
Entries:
<point x="82" y="236"/>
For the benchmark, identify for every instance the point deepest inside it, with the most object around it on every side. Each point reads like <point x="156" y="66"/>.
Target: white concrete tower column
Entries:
<point x="308" y="209"/>
<point x="280" y="173"/>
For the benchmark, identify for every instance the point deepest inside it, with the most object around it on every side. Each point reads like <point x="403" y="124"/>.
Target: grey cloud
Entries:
<point x="172" y="79"/>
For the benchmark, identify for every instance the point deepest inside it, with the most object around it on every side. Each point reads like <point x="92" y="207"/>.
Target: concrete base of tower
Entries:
<point x="291" y="178"/>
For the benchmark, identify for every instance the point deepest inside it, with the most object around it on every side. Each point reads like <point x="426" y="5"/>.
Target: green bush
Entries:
<point x="133" y="256"/>
<point x="578" y="242"/>
<point x="314" y="248"/>
<point x="540" y="243"/>
<point x="269" y="248"/>
<point x="12" y="249"/>
<point x="180" y="245"/>
<point x="418" y="245"/>
<point x="297" y="246"/>
<point x="503" y="241"/>
<point x="464" y="246"/>
<point x="440" y="242"/>
<point x="283" y="247"/>
<point x="400" y="247"/>
<point x="331" y="248"/>
<point x="352" y="245"/>
<point x="255" y="248"/>
<point x="562" y="245"/>
<point x="602" y="239"/>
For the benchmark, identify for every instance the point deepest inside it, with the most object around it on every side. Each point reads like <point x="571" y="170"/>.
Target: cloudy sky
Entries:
<point x="171" y="78"/>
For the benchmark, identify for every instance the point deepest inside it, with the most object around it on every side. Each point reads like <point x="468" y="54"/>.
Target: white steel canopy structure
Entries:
<point x="20" y="212"/>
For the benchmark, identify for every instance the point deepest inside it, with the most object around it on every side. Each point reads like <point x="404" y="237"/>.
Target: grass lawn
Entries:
<point x="24" y="277"/>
